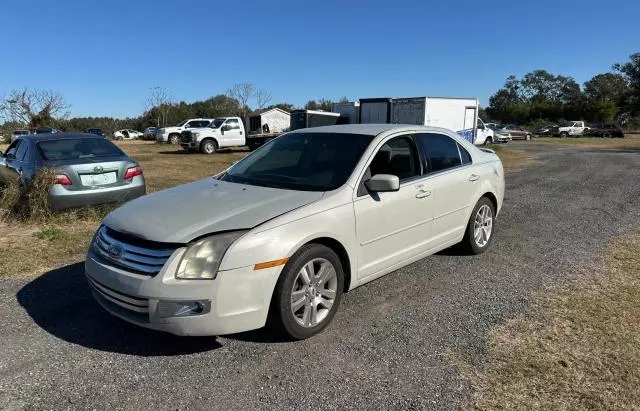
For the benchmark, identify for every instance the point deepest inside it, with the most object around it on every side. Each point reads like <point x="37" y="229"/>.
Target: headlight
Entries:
<point x="202" y="258"/>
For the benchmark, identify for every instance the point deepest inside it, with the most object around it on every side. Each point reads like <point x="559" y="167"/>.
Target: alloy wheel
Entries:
<point x="483" y="225"/>
<point x="314" y="292"/>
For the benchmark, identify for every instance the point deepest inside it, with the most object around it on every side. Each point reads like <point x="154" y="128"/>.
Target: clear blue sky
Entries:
<point x="103" y="56"/>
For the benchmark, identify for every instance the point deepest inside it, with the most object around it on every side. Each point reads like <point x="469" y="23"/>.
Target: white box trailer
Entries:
<point x="456" y="114"/>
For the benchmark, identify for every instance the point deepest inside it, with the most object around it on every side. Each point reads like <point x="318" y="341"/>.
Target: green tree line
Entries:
<point x="540" y="97"/>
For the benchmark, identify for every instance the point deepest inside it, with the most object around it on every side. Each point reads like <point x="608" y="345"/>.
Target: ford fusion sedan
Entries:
<point x="285" y="232"/>
<point x="89" y="169"/>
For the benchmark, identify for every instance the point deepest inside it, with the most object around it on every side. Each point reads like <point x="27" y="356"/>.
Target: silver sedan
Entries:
<point x="89" y="169"/>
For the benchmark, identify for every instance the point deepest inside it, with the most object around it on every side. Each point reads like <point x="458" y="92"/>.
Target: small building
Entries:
<point x="273" y="120"/>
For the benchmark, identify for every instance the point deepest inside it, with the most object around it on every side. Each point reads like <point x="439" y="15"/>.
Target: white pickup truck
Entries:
<point x="221" y="133"/>
<point x="574" y="128"/>
<point x="172" y="134"/>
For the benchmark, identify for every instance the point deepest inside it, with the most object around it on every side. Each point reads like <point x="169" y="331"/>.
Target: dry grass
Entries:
<point x="577" y="346"/>
<point x="630" y="141"/>
<point x="32" y="239"/>
<point x="512" y="159"/>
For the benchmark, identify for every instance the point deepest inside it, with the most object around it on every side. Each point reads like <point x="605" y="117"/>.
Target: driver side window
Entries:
<point x="398" y="157"/>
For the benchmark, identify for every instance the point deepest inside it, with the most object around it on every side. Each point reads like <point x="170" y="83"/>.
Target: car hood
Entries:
<point x="189" y="211"/>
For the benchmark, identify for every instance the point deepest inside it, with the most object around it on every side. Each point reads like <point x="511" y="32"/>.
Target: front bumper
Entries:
<point x="239" y="299"/>
<point x="501" y="138"/>
<point x="61" y="198"/>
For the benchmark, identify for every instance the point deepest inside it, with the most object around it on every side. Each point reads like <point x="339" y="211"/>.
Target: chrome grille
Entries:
<point x="130" y="257"/>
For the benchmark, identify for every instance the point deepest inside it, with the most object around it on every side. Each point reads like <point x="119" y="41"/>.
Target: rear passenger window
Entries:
<point x="464" y="155"/>
<point x="440" y="151"/>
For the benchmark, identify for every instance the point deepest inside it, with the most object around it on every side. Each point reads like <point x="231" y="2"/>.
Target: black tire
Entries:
<point x="174" y="139"/>
<point x="489" y="140"/>
<point x="281" y="316"/>
<point x="469" y="243"/>
<point x="208" y="146"/>
<point x="564" y="134"/>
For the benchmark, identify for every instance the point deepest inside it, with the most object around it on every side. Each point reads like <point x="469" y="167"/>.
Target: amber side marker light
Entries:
<point x="270" y="264"/>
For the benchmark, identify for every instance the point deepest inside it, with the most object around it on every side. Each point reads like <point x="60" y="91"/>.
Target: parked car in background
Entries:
<point x="96" y="131"/>
<point x="149" y="133"/>
<point x="292" y="226"/>
<point x="127" y="134"/>
<point x="18" y="133"/>
<point x="606" y="130"/>
<point x="89" y="169"/>
<point x="516" y="132"/>
<point x="45" y="130"/>
<point x="572" y="128"/>
<point x="545" y="131"/>
<point x="172" y="134"/>
<point x="501" y="136"/>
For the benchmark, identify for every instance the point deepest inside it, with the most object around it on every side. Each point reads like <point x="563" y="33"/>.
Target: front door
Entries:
<point x="392" y="227"/>
<point x="232" y="133"/>
<point x="10" y="165"/>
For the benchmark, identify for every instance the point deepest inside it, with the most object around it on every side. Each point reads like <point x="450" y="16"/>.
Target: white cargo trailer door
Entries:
<point x="469" y="117"/>
<point x="374" y="113"/>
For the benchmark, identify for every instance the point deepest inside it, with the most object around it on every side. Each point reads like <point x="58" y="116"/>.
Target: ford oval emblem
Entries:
<point x="98" y="169"/>
<point x="115" y="251"/>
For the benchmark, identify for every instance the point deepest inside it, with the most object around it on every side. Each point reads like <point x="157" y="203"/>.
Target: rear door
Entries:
<point x="452" y="179"/>
<point x="392" y="227"/>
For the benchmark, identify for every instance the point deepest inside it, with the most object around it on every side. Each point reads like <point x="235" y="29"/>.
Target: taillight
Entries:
<point x="63" y="180"/>
<point x="132" y="172"/>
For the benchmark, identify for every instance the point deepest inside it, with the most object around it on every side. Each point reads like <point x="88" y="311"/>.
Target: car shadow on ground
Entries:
<point x="60" y="302"/>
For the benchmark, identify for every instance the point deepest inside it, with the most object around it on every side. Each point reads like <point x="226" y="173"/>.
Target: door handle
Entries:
<point x="423" y="193"/>
<point x="473" y="177"/>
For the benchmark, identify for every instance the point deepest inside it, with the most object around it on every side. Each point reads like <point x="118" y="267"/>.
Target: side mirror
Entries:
<point x="382" y="183"/>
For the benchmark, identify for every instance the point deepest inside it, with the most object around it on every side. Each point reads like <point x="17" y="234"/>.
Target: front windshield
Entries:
<point x="217" y="123"/>
<point x="180" y="124"/>
<point x="301" y="161"/>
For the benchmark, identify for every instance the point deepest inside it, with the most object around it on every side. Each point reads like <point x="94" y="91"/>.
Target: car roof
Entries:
<point x="370" y="129"/>
<point x="58" y="136"/>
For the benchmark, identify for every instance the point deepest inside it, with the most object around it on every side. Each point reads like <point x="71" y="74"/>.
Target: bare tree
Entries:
<point x="34" y="107"/>
<point x="158" y="105"/>
<point x="242" y="92"/>
<point x="263" y="98"/>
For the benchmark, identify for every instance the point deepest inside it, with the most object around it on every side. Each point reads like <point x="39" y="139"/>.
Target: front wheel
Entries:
<point x="308" y="292"/>
<point x="208" y="147"/>
<point x="489" y="140"/>
<point x="527" y="137"/>
<point x="480" y="227"/>
<point x="174" y="139"/>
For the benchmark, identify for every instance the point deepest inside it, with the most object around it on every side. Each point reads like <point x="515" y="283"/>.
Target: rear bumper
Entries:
<point x="237" y="300"/>
<point x="61" y="198"/>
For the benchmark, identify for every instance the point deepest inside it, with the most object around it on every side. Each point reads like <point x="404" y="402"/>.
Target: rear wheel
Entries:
<point x="208" y="146"/>
<point x="527" y="137"/>
<point x="564" y="134"/>
<point x="174" y="139"/>
<point x="308" y="292"/>
<point x="480" y="227"/>
<point x="489" y="140"/>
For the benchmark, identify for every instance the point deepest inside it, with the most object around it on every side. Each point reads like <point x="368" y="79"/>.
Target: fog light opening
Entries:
<point x="183" y="308"/>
